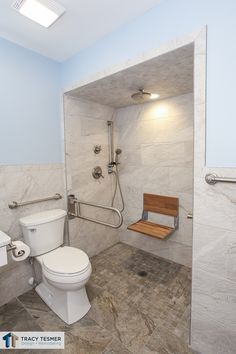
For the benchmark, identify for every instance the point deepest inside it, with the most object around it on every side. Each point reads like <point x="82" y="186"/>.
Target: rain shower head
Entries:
<point x="143" y="96"/>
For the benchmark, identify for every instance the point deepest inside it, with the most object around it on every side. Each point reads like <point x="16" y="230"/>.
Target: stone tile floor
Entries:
<point x="129" y="314"/>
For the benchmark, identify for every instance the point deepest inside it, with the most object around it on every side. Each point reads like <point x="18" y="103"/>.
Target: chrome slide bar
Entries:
<point x="212" y="178"/>
<point x="74" y="211"/>
<point x="14" y="204"/>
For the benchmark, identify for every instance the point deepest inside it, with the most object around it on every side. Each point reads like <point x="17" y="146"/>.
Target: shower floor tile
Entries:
<point x="140" y="305"/>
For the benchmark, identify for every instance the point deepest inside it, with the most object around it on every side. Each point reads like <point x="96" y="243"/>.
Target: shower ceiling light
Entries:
<point x="154" y="96"/>
<point x="44" y="12"/>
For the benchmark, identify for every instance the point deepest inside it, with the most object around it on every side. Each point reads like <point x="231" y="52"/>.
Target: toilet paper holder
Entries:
<point x="12" y="248"/>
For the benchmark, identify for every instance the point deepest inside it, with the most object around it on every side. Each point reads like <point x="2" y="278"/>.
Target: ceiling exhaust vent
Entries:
<point x="44" y="12"/>
<point x="17" y="4"/>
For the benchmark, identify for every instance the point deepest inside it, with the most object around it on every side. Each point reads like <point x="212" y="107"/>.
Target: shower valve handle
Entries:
<point x="97" y="172"/>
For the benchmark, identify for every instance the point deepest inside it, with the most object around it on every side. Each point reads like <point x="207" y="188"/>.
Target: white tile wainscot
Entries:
<point x="23" y="183"/>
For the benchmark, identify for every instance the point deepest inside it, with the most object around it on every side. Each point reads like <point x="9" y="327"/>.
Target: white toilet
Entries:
<point x="65" y="270"/>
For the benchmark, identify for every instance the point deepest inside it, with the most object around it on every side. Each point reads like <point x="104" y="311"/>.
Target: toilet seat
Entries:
<point x="65" y="262"/>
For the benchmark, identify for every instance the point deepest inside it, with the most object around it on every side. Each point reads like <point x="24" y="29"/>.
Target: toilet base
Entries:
<point x="70" y="306"/>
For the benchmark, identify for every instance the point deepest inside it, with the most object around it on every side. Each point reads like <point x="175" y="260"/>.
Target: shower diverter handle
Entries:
<point x="97" y="172"/>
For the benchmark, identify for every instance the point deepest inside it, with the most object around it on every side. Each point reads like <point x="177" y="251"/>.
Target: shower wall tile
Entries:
<point x="161" y="248"/>
<point x="22" y="183"/>
<point x="215" y="251"/>
<point x="214" y="277"/>
<point x="181" y="179"/>
<point x="163" y="154"/>
<point x="157" y="157"/>
<point x="75" y="107"/>
<point x="213" y="313"/>
<point x="92" y="127"/>
<point x="220" y="201"/>
<point x="86" y="126"/>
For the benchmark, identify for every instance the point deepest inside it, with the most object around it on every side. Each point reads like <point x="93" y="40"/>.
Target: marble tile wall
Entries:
<point x="86" y="126"/>
<point x="214" y="276"/>
<point x="214" y="239"/>
<point x="22" y="183"/>
<point x="157" y="157"/>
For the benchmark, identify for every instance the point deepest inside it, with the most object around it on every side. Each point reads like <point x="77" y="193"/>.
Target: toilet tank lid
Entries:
<point x="42" y="217"/>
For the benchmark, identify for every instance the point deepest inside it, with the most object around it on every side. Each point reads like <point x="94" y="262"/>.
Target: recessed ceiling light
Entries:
<point x="44" y="12"/>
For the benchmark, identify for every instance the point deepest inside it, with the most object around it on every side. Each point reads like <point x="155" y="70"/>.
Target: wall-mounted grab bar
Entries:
<point x="212" y="178"/>
<point x="14" y="204"/>
<point x="74" y="211"/>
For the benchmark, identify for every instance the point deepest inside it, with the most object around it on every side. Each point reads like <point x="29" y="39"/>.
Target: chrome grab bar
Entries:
<point x="14" y="204"/>
<point x="212" y="178"/>
<point x="74" y="211"/>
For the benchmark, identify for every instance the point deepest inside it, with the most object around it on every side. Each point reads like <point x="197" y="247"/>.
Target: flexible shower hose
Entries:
<point x="117" y="186"/>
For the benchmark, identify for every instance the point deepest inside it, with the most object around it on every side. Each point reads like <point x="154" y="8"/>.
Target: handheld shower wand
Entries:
<point x="118" y="152"/>
<point x="117" y="176"/>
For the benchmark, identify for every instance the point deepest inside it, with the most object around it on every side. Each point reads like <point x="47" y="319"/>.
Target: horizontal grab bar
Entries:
<point x="14" y="204"/>
<point x="212" y="178"/>
<point x="74" y="211"/>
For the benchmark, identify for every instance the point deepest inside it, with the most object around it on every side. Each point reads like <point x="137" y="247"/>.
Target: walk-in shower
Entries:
<point x="113" y="163"/>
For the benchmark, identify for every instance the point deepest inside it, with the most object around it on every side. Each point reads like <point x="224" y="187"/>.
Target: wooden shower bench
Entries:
<point x="159" y="204"/>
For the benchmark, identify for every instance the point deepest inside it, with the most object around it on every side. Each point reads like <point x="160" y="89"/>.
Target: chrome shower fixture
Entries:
<point x="118" y="152"/>
<point x="111" y="161"/>
<point x="143" y="96"/>
<point x="97" y="149"/>
<point x="113" y="165"/>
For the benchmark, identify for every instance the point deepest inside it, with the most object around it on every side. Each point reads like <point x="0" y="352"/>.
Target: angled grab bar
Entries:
<point x="74" y="211"/>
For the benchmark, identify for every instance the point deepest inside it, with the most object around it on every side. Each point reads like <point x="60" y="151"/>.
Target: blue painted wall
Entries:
<point x="168" y="20"/>
<point x="30" y="109"/>
<point x="30" y="126"/>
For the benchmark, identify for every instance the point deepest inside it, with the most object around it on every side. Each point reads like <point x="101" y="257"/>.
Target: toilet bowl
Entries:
<point x="65" y="270"/>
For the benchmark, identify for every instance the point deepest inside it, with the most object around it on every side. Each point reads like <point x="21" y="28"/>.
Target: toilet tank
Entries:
<point x="43" y="231"/>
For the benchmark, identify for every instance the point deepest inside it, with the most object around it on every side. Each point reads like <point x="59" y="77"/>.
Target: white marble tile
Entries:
<point x="181" y="179"/>
<point x="215" y="205"/>
<point x="85" y="126"/>
<point x="215" y="300"/>
<point x="163" y="154"/>
<point x="24" y="183"/>
<point x="82" y="107"/>
<point x="184" y="235"/>
<point x="14" y="280"/>
<point x="208" y="334"/>
<point x="215" y="251"/>
<point x="200" y="74"/>
<point x="158" y="138"/>
<point x="214" y="285"/>
<point x="174" y="71"/>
